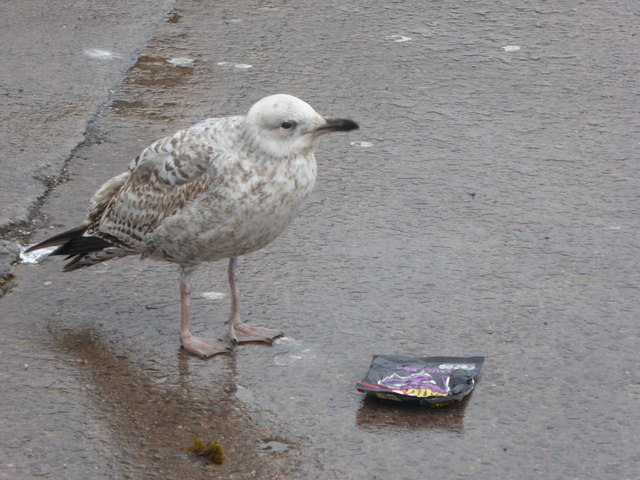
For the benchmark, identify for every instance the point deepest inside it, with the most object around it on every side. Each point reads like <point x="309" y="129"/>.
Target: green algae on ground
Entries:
<point x="209" y="452"/>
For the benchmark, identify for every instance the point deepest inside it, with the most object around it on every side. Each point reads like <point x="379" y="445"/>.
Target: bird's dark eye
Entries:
<point x="287" y="125"/>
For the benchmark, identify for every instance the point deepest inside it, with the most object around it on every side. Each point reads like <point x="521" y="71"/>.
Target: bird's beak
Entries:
<point x="336" y="125"/>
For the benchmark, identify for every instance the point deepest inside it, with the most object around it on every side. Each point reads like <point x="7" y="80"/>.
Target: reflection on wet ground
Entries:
<point x="153" y="416"/>
<point x="155" y="71"/>
<point x="381" y="414"/>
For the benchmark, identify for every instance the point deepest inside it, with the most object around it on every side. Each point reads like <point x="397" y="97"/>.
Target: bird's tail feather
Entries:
<point x="83" y="250"/>
<point x="59" y="239"/>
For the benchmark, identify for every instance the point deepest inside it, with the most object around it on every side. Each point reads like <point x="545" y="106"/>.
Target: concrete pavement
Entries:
<point x="60" y="65"/>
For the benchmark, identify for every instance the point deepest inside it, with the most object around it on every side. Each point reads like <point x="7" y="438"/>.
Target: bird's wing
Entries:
<point x="161" y="181"/>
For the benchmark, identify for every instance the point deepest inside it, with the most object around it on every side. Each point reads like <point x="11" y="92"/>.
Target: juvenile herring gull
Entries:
<point x="220" y="189"/>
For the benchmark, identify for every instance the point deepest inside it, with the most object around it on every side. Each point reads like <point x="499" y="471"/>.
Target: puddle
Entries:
<point x="151" y="419"/>
<point x="155" y="70"/>
<point x="383" y="415"/>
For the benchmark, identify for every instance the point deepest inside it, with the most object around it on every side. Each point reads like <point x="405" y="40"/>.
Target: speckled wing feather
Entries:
<point x="161" y="181"/>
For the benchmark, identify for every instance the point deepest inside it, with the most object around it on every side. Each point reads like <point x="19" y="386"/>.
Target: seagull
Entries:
<point x="222" y="188"/>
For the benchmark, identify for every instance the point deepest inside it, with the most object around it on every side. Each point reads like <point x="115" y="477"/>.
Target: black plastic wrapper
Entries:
<point x="431" y="381"/>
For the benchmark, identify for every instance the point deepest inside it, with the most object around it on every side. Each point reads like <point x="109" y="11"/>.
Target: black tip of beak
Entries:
<point x="346" y="125"/>
<point x="338" y="125"/>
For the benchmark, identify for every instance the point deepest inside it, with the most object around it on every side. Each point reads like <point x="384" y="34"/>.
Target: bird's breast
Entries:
<point x="242" y="212"/>
<point x="270" y="200"/>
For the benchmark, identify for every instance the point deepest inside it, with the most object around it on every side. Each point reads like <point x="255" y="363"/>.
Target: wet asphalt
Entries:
<point x="488" y="205"/>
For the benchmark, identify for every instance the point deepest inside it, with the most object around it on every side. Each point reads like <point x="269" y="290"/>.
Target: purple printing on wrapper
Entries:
<point x="418" y="380"/>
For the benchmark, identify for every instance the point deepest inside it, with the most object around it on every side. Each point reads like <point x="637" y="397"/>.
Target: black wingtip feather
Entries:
<point x="59" y="239"/>
<point x="73" y="242"/>
<point x="74" y="264"/>
<point x="81" y="245"/>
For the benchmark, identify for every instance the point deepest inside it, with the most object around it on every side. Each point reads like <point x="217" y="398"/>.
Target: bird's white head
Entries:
<point x="285" y="126"/>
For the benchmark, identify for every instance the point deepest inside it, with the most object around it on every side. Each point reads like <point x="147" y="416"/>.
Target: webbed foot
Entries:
<point x="204" y="347"/>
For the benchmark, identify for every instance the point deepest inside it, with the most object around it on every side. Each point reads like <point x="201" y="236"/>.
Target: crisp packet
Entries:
<point x="431" y="381"/>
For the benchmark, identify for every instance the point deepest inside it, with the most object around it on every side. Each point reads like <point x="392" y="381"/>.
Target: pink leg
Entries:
<point x="240" y="332"/>
<point x="203" y="347"/>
